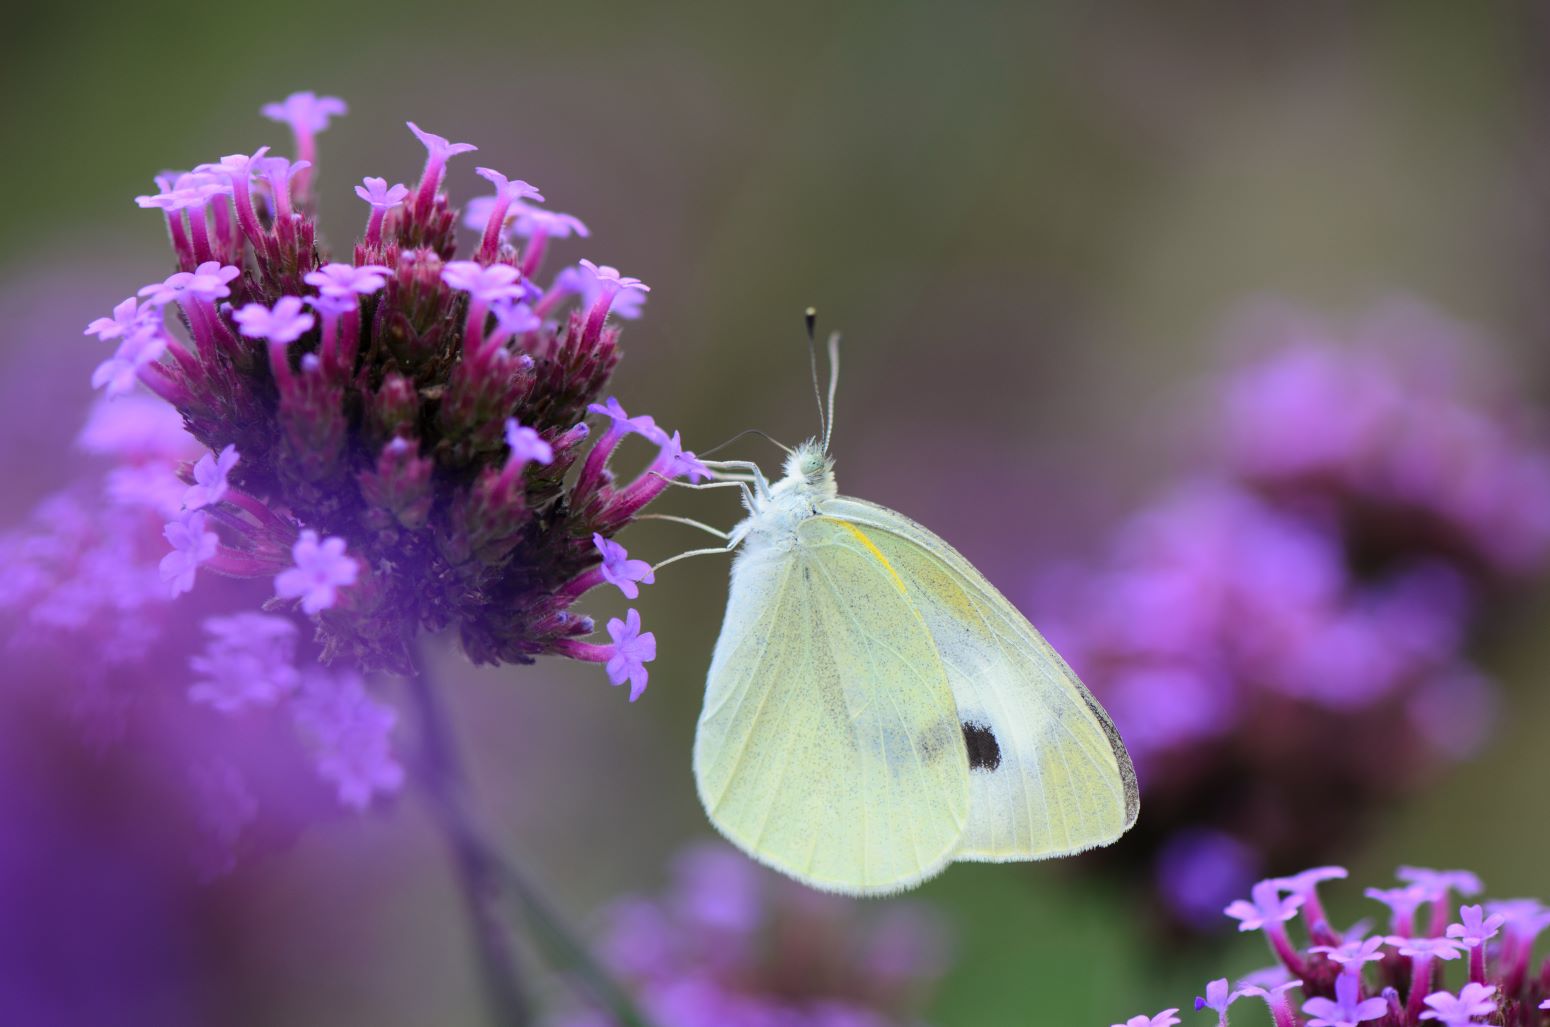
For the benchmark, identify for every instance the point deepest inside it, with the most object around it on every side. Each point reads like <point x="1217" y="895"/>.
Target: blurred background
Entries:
<point x="1035" y="224"/>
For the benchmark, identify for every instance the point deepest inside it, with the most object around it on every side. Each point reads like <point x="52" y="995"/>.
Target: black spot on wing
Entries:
<point x="984" y="750"/>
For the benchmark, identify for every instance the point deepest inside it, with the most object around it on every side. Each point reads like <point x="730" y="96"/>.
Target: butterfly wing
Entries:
<point x="1050" y="775"/>
<point x="829" y="745"/>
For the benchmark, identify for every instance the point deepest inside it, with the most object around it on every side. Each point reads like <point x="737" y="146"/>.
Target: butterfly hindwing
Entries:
<point x="1049" y="775"/>
<point x="830" y="746"/>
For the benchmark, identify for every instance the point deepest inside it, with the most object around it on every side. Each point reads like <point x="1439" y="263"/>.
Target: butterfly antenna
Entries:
<point x="834" y="384"/>
<point x="746" y="431"/>
<point x="810" y="318"/>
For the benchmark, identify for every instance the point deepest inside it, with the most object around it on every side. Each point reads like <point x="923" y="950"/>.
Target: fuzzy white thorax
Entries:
<point x="807" y="482"/>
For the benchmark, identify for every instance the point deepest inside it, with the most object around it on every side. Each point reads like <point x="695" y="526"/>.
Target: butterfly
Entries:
<point x="875" y="709"/>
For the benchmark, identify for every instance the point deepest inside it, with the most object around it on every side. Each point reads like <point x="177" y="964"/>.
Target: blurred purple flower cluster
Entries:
<point x="1290" y="622"/>
<point x="340" y="456"/>
<point x="91" y="632"/>
<point x="1396" y="977"/>
<point x="732" y="943"/>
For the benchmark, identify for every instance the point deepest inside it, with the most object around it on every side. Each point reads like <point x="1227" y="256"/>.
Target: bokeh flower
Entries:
<point x="732" y="943"/>
<point x="1292" y="620"/>
<point x="176" y="694"/>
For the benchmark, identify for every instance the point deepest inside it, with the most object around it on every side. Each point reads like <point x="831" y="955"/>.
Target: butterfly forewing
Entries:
<point x="830" y="744"/>
<point x="1049" y="775"/>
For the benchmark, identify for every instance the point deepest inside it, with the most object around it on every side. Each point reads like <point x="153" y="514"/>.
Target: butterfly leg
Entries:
<point x="696" y="552"/>
<point x="684" y="520"/>
<point x="746" y="465"/>
<point x="748" y="499"/>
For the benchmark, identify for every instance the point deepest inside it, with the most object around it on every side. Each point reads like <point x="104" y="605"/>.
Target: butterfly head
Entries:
<point x="810" y="469"/>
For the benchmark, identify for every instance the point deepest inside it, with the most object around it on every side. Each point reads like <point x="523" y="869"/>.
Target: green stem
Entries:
<point x="568" y="955"/>
<point x="484" y="874"/>
<point x="477" y="864"/>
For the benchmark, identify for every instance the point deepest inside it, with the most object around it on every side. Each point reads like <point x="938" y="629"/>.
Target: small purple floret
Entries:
<point x="284" y="323"/>
<point x="1474" y="927"/>
<point x="680" y="463"/>
<point x="210" y="478"/>
<point x="1347" y="1009"/>
<point x="438" y="146"/>
<point x="380" y="195"/>
<point x="1162" y="1019"/>
<point x="485" y="283"/>
<point x="209" y="281"/>
<point x="618" y="569"/>
<point x="192" y="545"/>
<point x="1427" y="948"/>
<point x="624" y="424"/>
<point x="1473" y="1000"/>
<point x="128" y="318"/>
<point x="248" y="662"/>
<point x="1438" y="882"/>
<point x="510" y="189"/>
<point x="1218" y="997"/>
<point x="1356" y="953"/>
<point x="348" y="280"/>
<point x="322" y="569"/>
<point x="350" y="733"/>
<point x="532" y="221"/>
<point x="305" y="112"/>
<point x="611" y="276"/>
<point x="526" y="445"/>
<point x="117" y="374"/>
<point x="632" y="650"/>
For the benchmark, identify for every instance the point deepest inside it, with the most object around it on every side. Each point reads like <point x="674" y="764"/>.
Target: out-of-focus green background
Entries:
<point x="1029" y="221"/>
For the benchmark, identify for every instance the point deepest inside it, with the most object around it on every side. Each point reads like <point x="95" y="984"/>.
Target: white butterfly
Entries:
<point x="875" y="709"/>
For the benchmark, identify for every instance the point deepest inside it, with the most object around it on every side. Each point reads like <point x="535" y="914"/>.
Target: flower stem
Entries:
<point x="478" y="868"/>
<point x="484" y="874"/>
<point x="568" y="955"/>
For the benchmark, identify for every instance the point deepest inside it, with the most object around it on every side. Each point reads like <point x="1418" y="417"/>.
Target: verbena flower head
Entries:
<point x="729" y="943"/>
<point x="407" y="422"/>
<point x="1292" y="620"/>
<point x="1399" y="980"/>
<point x="336" y="454"/>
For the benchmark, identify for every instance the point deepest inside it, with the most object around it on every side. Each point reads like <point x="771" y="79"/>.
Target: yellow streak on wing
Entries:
<point x="872" y="548"/>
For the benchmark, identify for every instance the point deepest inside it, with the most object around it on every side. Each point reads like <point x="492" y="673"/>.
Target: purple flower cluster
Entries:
<point x="391" y="438"/>
<point x="732" y="943"/>
<point x="1396" y="977"/>
<point x="1398" y="430"/>
<point x="209" y="701"/>
<point x="1291" y="621"/>
<point x="339" y="456"/>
